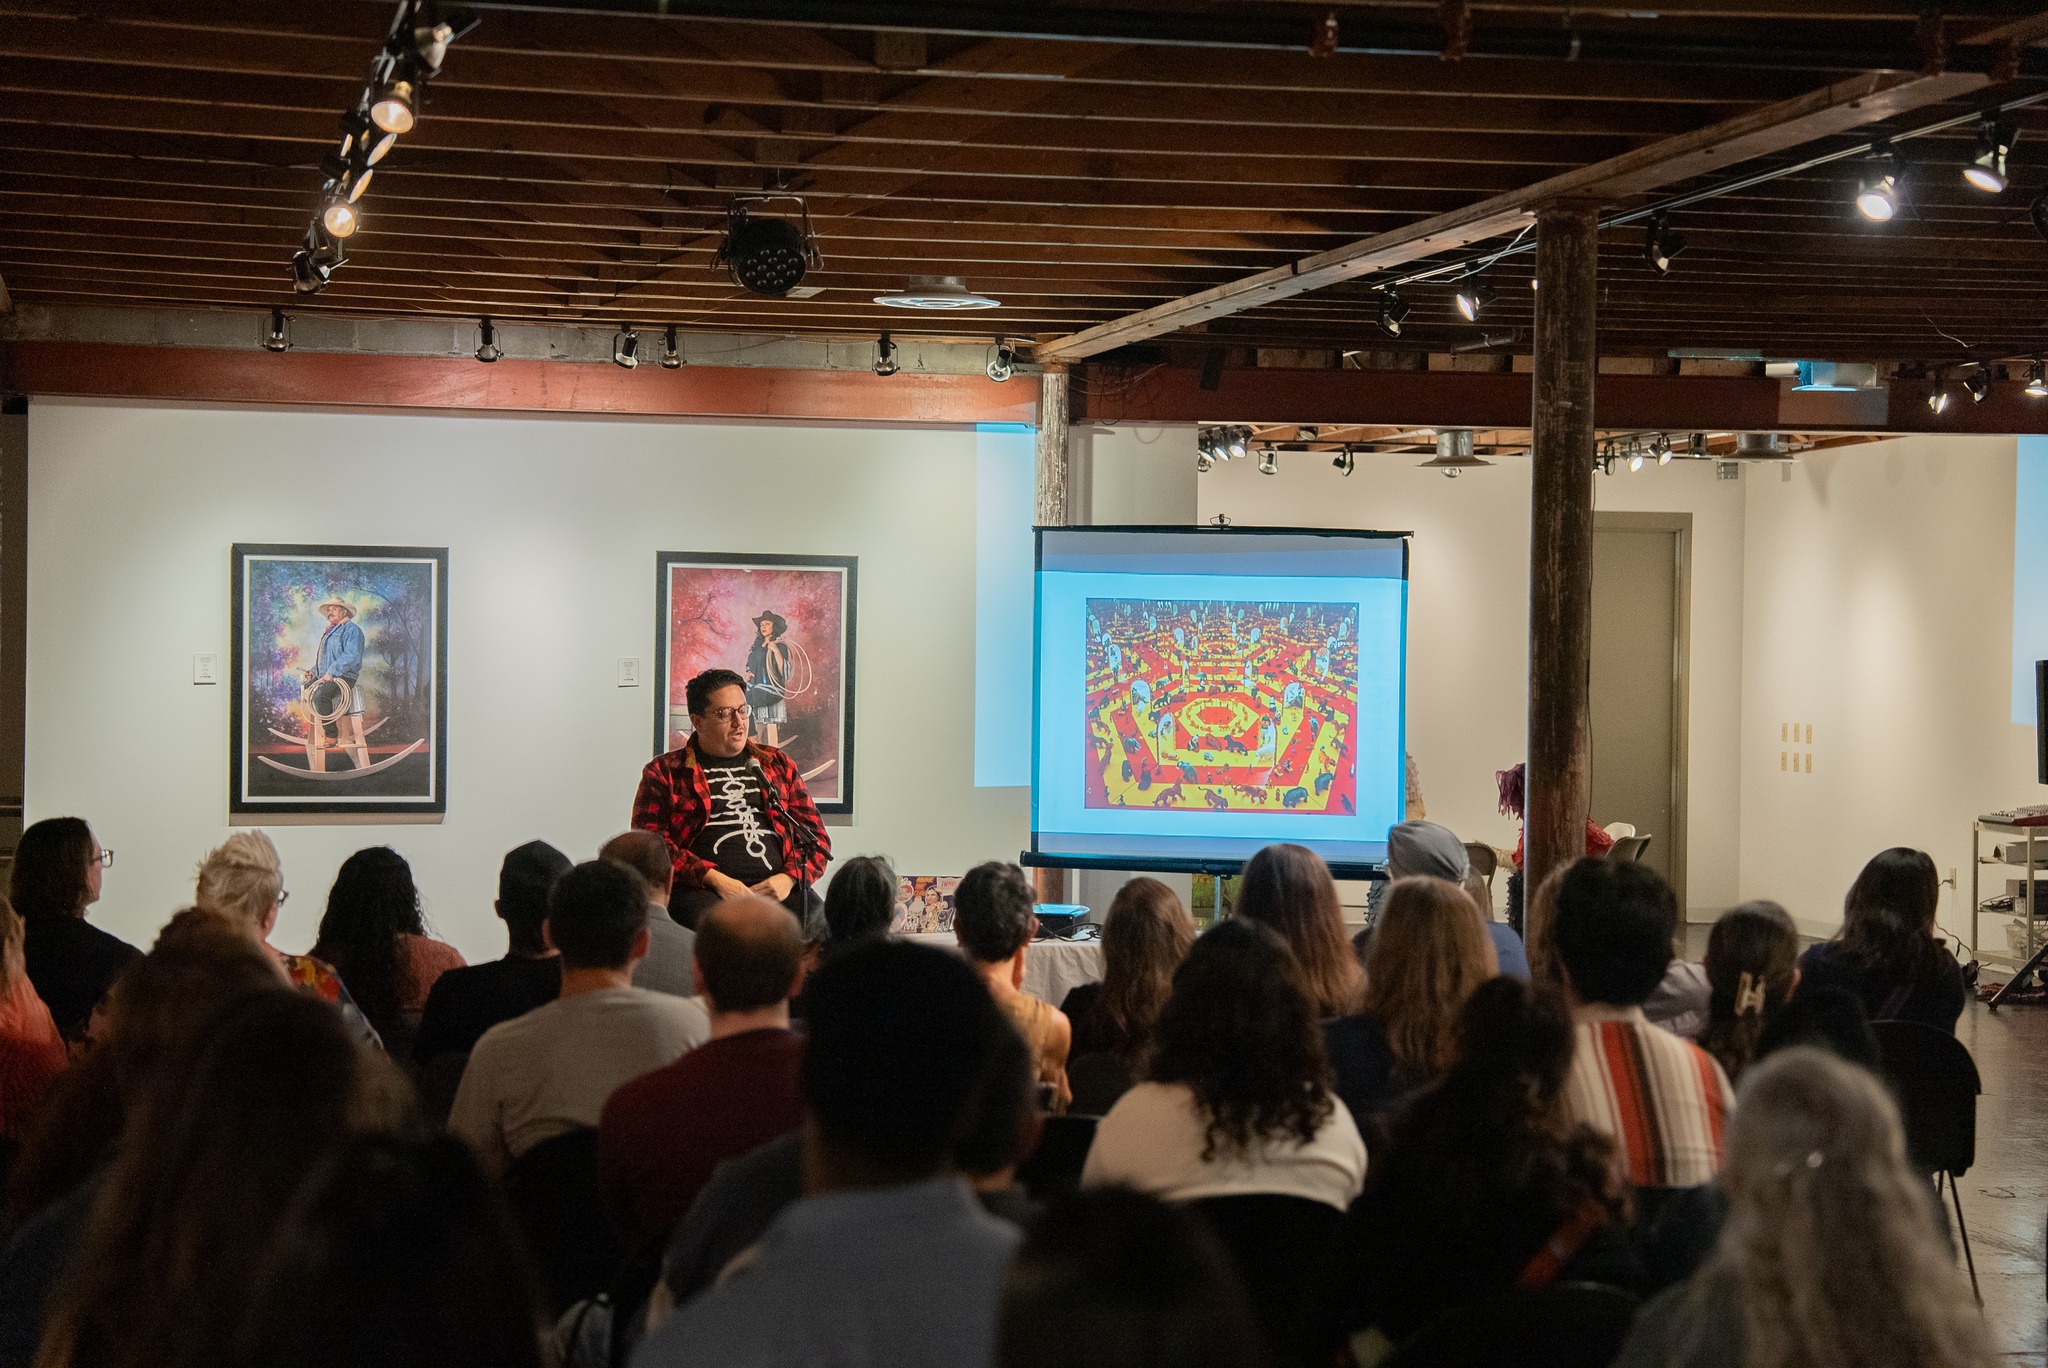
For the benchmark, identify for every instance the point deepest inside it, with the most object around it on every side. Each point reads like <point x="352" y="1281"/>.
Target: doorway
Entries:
<point x="1641" y="589"/>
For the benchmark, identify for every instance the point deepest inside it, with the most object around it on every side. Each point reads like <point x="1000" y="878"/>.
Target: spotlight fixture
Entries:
<point x="1346" y="460"/>
<point x="362" y="142"/>
<point x="1635" y="459"/>
<point x="1978" y="383"/>
<point x="487" y="348"/>
<point x="1937" y="398"/>
<point x="1204" y="463"/>
<point x="626" y="348"/>
<point x="885" y="356"/>
<point x="1473" y="299"/>
<point x="1995" y="137"/>
<point x="1237" y="445"/>
<point x="1003" y="364"/>
<point x="275" y="338"/>
<point x="944" y="294"/>
<point x="1661" y="244"/>
<point x="1883" y="185"/>
<point x="671" y="351"/>
<point x="1661" y="449"/>
<point x="1393" y="312"/>
<point x="338" y="216"/>
<point x="1269" y="462"/>
<point x="2037" y="379"/>
<point x="313" y="263"/>
<point x="767" y="256"/>
<point x="395" y="109"/>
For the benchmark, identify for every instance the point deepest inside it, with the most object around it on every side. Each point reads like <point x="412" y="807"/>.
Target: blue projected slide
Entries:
<point x="1201" y="693"/>
<point x="2029" y="573"/>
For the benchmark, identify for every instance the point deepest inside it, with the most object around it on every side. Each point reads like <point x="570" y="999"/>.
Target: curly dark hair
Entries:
<point x="372" y="903"/>
<point x="1240" y="1033"/>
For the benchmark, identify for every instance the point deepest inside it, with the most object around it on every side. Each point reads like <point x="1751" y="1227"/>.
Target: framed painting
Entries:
<point x="786" y="625"/>
<point x="340" y="676"/>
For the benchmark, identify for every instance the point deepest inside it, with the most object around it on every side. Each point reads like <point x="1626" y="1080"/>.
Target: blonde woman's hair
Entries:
<point x="240" y="879"/>
<point x="1428" y="952"/>
<point x="1830" y="1250"/>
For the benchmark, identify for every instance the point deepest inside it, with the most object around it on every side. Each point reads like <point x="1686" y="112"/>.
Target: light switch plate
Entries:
<point x="629" y="672"/>
<point x="206" y="668"/>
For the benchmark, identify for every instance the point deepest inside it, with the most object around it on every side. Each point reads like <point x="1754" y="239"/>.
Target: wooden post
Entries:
<point x="1561" y="539"/>
<point x="1050" y="885"/>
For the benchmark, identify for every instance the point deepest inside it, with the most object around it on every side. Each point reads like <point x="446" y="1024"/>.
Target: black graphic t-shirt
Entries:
<point x="736" y="836"/>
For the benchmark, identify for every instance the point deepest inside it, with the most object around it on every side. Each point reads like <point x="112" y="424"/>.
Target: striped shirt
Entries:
<point x="1663" y="1099"/>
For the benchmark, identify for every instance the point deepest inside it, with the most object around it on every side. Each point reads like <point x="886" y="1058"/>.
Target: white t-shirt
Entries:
<point x="551" y="1070"/>
<point x="1152" y="1140"/>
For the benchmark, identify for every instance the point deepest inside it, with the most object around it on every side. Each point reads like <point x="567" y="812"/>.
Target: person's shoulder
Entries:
<point x="430" y="954"/>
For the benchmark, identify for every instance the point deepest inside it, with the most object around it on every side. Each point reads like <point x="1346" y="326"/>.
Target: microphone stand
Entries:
<point x="806" y="844"/>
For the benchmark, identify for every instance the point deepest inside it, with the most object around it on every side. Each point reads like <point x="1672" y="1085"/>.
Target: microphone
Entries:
<point x="770" y="795"/>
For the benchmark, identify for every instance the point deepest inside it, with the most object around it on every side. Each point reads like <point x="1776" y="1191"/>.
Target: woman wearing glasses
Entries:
<point x="58" y="865"/>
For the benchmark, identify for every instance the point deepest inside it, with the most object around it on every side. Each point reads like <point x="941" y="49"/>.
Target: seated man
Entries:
<point x="663" y="1133"/>
<point x="994" y="920"/>
<point x="888" y="1259"/>
<point x="551" y="1070"/>
<point x="670" y="945"/>
<point x="464" y="1003"/>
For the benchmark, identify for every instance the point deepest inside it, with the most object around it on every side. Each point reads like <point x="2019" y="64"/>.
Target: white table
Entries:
<point x="1052" y="968"/>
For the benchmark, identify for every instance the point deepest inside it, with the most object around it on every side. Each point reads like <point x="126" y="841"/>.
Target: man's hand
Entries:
<point x="725" y="886"/>
<point x="775" y="887"/>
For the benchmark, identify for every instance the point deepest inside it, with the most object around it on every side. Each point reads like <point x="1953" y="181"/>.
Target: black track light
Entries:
<point x="1883" y="187"/>
<point x="885" y="356"/>
<point x="1346" y="460"/>
<point x="1003" y="364"/>
<point x="275" y="338"/>
<point x="1473" y="299"/>
<point x="766" y="256"/>
<point x="1393" y="312"/>
<point x="396" y="108"/>
<point x="1204" y="462"/>
<point x="626" y="348"/>
<point x="1237" y="443"/>
<point x="487" y="348"/>
<point x="1978" y="383"/>
<point x="1661" y="244"/>
<point x="671" y="350"/>
<point x="1269" y="462"/>
<point x="1995" y="137"/>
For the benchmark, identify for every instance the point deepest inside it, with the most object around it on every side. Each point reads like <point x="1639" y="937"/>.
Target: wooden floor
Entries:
<point x="2005" y="1197"/>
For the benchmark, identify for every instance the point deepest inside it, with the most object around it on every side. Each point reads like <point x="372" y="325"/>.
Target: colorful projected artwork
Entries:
<point x="1221" y="706"/>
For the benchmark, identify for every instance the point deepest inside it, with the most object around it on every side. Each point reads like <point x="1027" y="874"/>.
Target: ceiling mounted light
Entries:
<point x="1937" y="398"/>
<point x="395" y="109"/>
<point x="671" y="350"/>
<point x="626" y="348"/>
<point x="1204" y="463"/>
<point x="1454" y="453"/>
<point x="1269" y="462"/>
<point x="314" y="263"/>
<point x="1237" y="444"/>
<point x="1883" y="185"/>
<point x="885" y="356"/>
<point x="487" y="348"/>
<point x="1393" y="312"/>
<point x="767" y="256"/>
<point x="338" y="216"/>
<point x="940" y="293"/>
<point x="1635" y="459"/>
<point x="275" y="337"/>
<point x="1346" y="460"/>
<point x="1661" y="244"/>
<point x="1662" y="449"/>
<point x="1995" y="138"/>
<point x="2037" y="379"/>
<point x="1978" y="383"/>
<point x="1003" y="364"/>
<point x="1473" y="299"/>
<point x="362" y="141"/>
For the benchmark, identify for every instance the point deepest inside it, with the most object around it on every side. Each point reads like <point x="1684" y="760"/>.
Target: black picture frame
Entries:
<point x="723" y="643"/>
<point x="401" y="593"/>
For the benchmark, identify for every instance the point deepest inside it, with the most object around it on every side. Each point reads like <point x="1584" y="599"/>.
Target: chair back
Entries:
<point x="1098" y="1078"/>
<point x="1629" y="849"/>
<point x="1285" y="1250"/>
<point x="1936" y="1084"/>
<point x="1485" y="861"/>
<point x="553" y="1195"/>
<point x="1564" y="1325"/>
<point x="1055" y="1166"/>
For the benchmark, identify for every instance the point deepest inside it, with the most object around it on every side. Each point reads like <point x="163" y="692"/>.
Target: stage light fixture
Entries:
<point x="1661" y="244"/>
<point x="1635" y="457"/>
<point x="937" y="294"/>
<point x="1882" y="187"/>
<point x="339" y="217"/>
<point x="1937" y="398"/>
<point x="1661" y="448"/>
<point x="1346" y="460"/>
<point x="1204" y="463"/>
<point x="1238" y="445"/>
<point x="1978" y="383"/>
<point x="1003" y="364"/>
<point x="275" y="337"/>
<point x="885" y="356"/>
<point x="671" y="350"/>
<point x="487" y="348"/>
<point x="362" y="141"/>
<point x="1473" y="299"/>
<point x="1995" y="138"/>
<point x="2037" y="379"/>
<point x="1393" y="312"/>
<point x="314" y="262"/>
<point x="1269" y="462"/>
<point x="626" y="348"/>
<point x="766" y="256"/>
<point x="395" y="108"/>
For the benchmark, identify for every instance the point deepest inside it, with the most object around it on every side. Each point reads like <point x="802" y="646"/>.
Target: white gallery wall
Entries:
<point x="552" y="525"/>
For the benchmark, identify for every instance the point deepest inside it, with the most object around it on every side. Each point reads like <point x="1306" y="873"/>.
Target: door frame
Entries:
<point x="1681" y="675"/>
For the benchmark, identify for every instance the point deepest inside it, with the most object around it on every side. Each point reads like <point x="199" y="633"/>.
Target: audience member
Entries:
<point x="860" y="902"/>
<point x="1288" y="888"/>
<point x="994" y="918"/>
<point x="1513" y="783"/>
<point x="1889" y="953"/>
<point x="1484" y="1185"/>
<point x="550" y="1071"/>
<point x="205" y="1173"/>
<point x="1117" y="1279"/>
<point x="888" y="1259"/>
<point x="241" y="881"/>
<point x="1145" y="935"/>
<point x="1829" y="1255"/>
<point x="1427" y="953"/>
<point x="1237" y="1098"/>
<point x="1752" y="963"/>
<point x="1005" y="1128"/>
<point x="1828" y="1019"/>
<point x="374" y="936"/>
<point x="56" y="876"/>
<point x="467" y="1002"/>
<point x="661" y="1135"/>
<point x="395" y="1253"/>
<point x="1427" y="850"/>
<point x="1681" y="1001"/>
<point x="1539" y="918"/>
<point x="670" y="945"/>
<point x="32" y="1054"/>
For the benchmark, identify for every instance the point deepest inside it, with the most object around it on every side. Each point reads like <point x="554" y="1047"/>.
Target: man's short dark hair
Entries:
<point x="993" y="912"/>
<point x="524" y="879"/>
<point x="748" y="950"/>
<point x="594" y="913"/>
<point x="646" y="853"/>
<point x="697" y="693"/>
<point x="902" y="1040"/>
<point x="1613" y="929"/>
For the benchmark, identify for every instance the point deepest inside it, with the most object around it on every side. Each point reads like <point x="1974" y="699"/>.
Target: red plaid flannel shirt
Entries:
<point x="674" y="800"/>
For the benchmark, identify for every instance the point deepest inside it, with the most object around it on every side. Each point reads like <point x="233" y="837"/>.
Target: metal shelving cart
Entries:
<point x="2025" y="908"/>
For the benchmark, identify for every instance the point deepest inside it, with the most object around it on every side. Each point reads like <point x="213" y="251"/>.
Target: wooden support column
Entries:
<point x="1050" y="885"/>
<point x="1561" y="539"/>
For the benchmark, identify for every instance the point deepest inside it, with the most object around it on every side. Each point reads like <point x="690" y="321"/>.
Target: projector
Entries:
<point x="1060" y="921"/>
